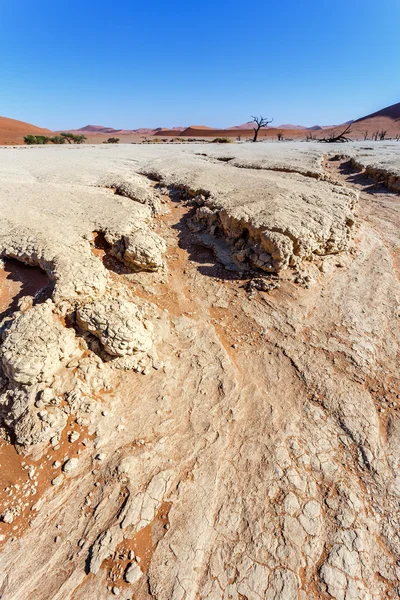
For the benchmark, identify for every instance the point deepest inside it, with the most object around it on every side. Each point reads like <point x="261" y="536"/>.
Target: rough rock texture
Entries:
<point x="35" y="345"/>
<point x="279" y="219"/>
<point x="118" y="324"/>
<point x="57" y="235"/>
<point x="142" y="249"/>
<point x="260" y="457"/>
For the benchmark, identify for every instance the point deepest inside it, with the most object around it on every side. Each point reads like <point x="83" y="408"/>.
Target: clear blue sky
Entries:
<point x="127" y="63"/>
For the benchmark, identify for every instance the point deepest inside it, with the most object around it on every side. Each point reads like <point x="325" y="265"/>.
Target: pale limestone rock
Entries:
<point x="335" y="580"/>
<point x="142" y="249"/>
<point x="133" y="573"/>
<point x="118" y="324"/>
<point x="70" y="465"/>
<point x="310" y="517"/>
<point x="282" y="585"/>
<point x="57" y="481"/>
<point x="36" y="345"/>
<point x="291" y="504"/>
<point x="345" y="560"/>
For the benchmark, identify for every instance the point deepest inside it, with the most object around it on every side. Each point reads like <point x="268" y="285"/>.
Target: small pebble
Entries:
<point x="57" y="480"/>
<point x="70" y="465"/>
<point x="7" y="516"/>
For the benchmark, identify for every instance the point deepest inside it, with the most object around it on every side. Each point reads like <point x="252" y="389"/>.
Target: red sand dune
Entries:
<point x="288" y="126"/>
<point x="392" y="112"/>
<point x="388" y="119"/>
<point x="12" y="131"/>
<point x="248" y="125"/>
<point x="195" y="131"/>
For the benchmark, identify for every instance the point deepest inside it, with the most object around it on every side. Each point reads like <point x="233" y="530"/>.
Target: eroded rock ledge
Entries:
<point x="271" y="221"/>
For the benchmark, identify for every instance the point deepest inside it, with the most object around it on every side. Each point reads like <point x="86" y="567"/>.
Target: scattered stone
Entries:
<point x="261" y="285"/>
<point x="57" y="481"/>
<point x="133" y="573"/>
<point x="70" y="465"/>
<point x="7" y="516"/>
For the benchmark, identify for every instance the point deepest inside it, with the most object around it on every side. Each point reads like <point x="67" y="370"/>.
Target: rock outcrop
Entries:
<point x="142" y="250"/>
<point x="117" y="324"/>
<point x="36" y="345"/>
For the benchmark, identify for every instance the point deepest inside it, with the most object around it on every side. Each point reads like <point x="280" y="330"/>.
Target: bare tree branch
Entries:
<point x="260" y="122"/>
<point x="334" y="137"/>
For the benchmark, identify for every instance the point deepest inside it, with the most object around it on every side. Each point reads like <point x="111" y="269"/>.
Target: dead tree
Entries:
<point x="335" y="137"/>
<point x="260" y="122"/>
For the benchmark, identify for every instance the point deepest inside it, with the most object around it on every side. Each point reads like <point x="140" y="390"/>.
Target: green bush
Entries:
<point x="57" y="139"/>
<point x="30" y="140"/>
<point x="73" y="138"/>
<point x="36" y="140"/>
<point x="111" y="140"/>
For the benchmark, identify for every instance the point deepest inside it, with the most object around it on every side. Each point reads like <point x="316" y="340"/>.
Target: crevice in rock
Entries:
<point x="239" y="245"/>
<point x="278" y="169"/>
<point x="312" y="174"/>
<point x="369" y="176"/>
<point x="19" y="279"/>
<point x="102" y="250"/>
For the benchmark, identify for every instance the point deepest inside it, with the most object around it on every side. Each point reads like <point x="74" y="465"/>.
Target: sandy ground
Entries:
<point x="258" y="456"/>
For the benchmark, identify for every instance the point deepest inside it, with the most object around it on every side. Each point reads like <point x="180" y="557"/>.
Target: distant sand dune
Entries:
<point x="13" y="131"/>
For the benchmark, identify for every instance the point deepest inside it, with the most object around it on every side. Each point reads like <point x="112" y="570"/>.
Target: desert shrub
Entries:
<point x="279" y="135"/>
<point x="220" y="140"/>
<point x="36" y="140"/>
<point x="57" y="139"/>
<point x="30" y="140"/>
<point x="111" y="140"/>
<point x="80" y="139"/>
<point x="72" y="138"/>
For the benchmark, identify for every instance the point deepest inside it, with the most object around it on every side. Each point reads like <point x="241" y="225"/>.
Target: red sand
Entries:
<point x="12" y="132"/>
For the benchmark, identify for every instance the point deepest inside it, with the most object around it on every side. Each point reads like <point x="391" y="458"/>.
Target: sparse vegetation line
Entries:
<point x="62" y="138"/>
